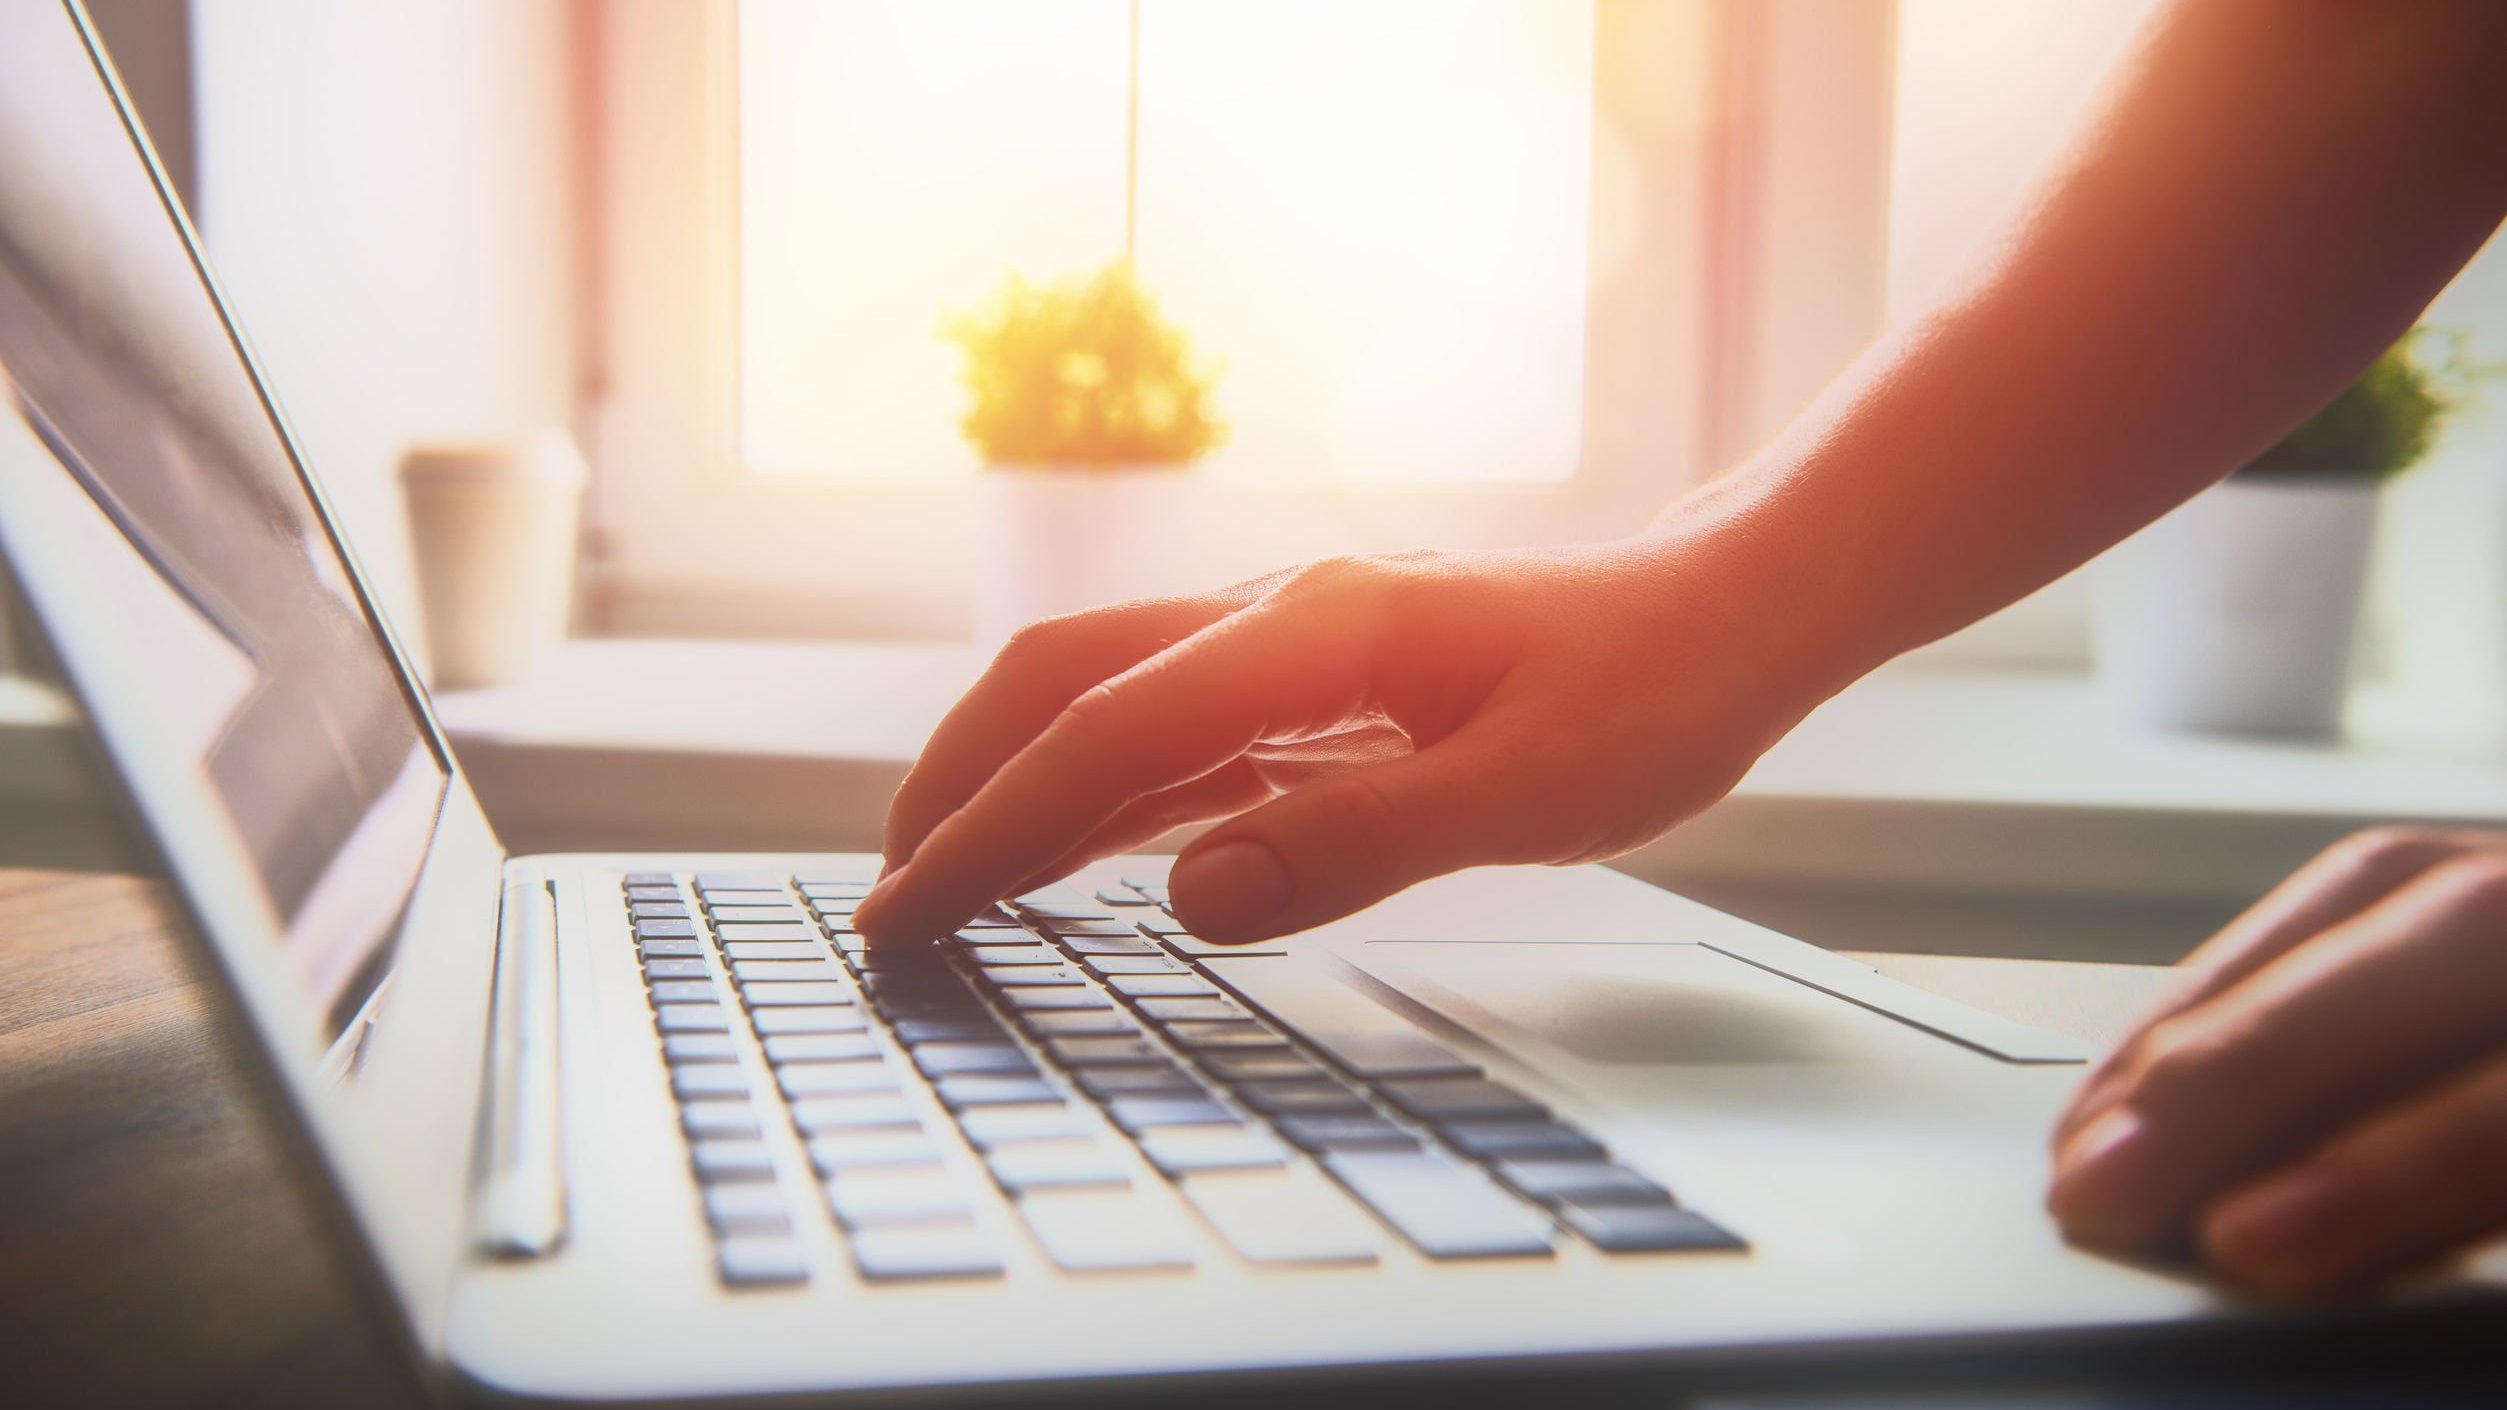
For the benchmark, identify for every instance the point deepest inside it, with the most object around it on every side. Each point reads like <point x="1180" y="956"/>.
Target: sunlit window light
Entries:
<point x="1371" y="213"/>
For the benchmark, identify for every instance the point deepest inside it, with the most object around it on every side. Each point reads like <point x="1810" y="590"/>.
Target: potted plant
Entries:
<point x="1087" y="407"/>
<point x="2237" y="613"/>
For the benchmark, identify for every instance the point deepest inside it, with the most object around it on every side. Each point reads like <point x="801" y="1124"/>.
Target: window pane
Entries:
<point x="1373" y="215"/>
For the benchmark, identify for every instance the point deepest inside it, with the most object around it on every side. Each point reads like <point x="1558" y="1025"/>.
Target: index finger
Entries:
<point x="1169" y="720"/>
<point x="1030" y="681"/>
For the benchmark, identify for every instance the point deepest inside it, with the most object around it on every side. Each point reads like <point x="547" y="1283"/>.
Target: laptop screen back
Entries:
<point x="263" y="726"/>
<point x="258" y="647"/>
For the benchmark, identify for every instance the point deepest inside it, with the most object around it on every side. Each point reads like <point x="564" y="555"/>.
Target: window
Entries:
<point x="1459" y="260"/>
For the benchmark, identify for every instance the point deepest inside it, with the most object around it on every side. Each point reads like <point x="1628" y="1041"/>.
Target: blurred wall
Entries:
<point x="387" y="193"/>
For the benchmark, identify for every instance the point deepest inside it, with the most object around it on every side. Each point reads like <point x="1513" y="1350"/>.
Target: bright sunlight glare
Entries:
<point x="1372" y="214"/>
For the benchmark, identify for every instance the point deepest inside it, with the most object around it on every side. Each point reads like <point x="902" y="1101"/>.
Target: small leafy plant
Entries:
<point x="2384" y="422"/>
<point x="1085" y="372"/>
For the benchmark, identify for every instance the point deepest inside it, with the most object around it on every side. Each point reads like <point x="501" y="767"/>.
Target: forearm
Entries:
<point x="2270" y="193"/>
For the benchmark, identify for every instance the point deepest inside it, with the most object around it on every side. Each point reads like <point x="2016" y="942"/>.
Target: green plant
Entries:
<point x="1082" y="372"/>
<point x="2383" y="422"/>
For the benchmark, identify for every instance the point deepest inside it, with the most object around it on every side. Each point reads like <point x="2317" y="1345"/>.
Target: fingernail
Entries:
<point x="2096" y="1194"/>
<point x="2281" y="1234"/>
<point x="1224" y="893"/>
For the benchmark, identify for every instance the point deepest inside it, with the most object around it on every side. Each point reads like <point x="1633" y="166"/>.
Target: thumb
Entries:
<point x="1344" y="842"/>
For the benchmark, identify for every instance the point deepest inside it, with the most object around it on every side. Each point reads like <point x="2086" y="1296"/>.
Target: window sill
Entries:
<point x="1915" y="778"/>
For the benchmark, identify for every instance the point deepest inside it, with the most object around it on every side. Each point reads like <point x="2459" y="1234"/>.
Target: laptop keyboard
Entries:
<point x="1056" y="1030"/>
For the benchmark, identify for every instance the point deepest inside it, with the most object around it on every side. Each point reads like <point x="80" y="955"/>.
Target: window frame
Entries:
<point x="1693" y="350"/>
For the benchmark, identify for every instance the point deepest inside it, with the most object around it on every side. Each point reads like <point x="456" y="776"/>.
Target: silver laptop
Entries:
<point x="659" y="1127"/>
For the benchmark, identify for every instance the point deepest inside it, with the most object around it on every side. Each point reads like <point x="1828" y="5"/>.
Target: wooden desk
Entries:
<point x="152" y="1248"/>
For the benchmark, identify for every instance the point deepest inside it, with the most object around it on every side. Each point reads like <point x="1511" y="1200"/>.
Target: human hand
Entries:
<point x="1366" y="723"/>
<point x="2323" y="1107"/>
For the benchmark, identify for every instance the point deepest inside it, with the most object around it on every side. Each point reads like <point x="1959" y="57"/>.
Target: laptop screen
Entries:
<point x="241" y="620"/>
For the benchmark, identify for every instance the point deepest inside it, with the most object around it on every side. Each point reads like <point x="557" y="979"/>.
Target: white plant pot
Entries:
<point x="1052" y="541"/>
<point x="2237" y="612"/>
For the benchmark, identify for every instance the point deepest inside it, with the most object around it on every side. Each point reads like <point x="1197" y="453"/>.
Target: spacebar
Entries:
<point x="1448" y="1209"/>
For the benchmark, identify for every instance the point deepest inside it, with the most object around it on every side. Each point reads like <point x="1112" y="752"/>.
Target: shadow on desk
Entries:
<point x="154" y="1249"/>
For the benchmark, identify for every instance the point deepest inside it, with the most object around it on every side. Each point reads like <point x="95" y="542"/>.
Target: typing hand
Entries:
<point x="2324" y="1106"/>
<point x="1365" y="723"/>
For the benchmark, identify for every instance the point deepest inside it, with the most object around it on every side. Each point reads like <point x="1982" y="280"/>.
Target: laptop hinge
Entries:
<point x="522" y="1196"/>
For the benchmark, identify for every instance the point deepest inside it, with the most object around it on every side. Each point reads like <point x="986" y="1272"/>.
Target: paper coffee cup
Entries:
<point x="492" y="528"/>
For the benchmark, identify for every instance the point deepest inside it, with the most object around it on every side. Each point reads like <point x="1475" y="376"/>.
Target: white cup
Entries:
<point x="492" y="525"/>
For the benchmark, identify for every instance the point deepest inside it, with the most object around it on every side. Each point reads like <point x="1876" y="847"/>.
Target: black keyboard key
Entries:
<point x="1107" y="1052"/>
<point x="665" y="930"/>
<point x="1230" y="1065"/>
<point x="1648" y="1228"/>
<point x="1300" y="1098"/>
<point x="677" y="991"/>
<point x="698" y="1047"/>
<point x="708" y="1082"/>
<point x="747" y="1209"/>
<point x="1443" y="1099"/>
<point x="1445" y="1208"/>
<point x="948" y="1059"/>
<point x="809" y="1020"/>
<point x="760" y="1260"/>
<point x="691" y="1018"/>
<point x="1138" y="1114"/>
<point x="787" y="931"/>
<point x="1109" y="945"/>
<point x="965" y="1090"/>
<point x="1107" y="1083"/>
<point x="728" y="1119"/>
<point x="657" y="970"/>
<point x="1593" y="1182"/>
<point x="1521" y="1140"/>
<point x="1324" y="1134"/>
<point x="1211" y="1010"/>
<point x="861" y="1111"/>
<point x="907" y="1254"/>
<point x="786" y="971"/>
<point x="973" y="1029"/>
<point x="819" y="1047"/>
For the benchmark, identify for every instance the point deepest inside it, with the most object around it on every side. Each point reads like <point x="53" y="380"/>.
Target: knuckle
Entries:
<point x="2183" y="1063"/>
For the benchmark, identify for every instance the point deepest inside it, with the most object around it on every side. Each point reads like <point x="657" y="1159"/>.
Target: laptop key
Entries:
<point x="1041" y="1000"/>
<point x="708" y="1081"/>
<point x="948" y="1030"/>
<point x="1231" y="1065"/>
<point x="675" y="991"/>
<point x="1521" y="1140"/>
<point x="657" y="910"/>
<point x="1070" y="927"/>
<point x="738" y="881"/>
<point x="863" y="1200"/>
<point x="1062" y="1165"/>
<point x="900" y="1255"/>
<point x="657" y="970"/>
<point x="989" y="1127"/>
<point x="667" y="947"/>
<point x="820" y="1047"/>
<point x="691" y="1018"/>
<point x="736" y="1119"/>
<point x="991" y="937"/>
<point x="1299" y="1097"/>
<point x="808" y="1020"/>
<point x="1160" y="986"/>
<point x="787" y="971"/>
<point x="1108" y="945"/>
<point x="698" y="1047"/>
<point x="1081" y="1023"/>
<point x="860" y="1111"/>
<point x="864" y="1148"/>
<point x="1589" y="1182"/>
<point x="1442" y="1099"/>
<point x="1232" y="1035"/>
<point x="963" y="1090"/>
<point x="945" y="1059"/>
<point x="720" y="897"/>
<point x="1107" y="1052"/>
<point x="1325" y="1134"/>
<point x="1138" y="1114"/>
<point x="794" y="995"/>
<point x="747" y="1209"/>
<point x="1283" y="1217"/>
<point x="720" y="1159"/>
<point x="997" y="956"/>
<point x="1178" y="1151"/>
<point x="1106" y="1233"/>
<point x="760" y="1260"/>
<point x="1107" y="1083"/>
<point x="1133" y="964"/>
<point x="783" y="950"/>
<point x="1019" y="977"/>
<point x="827" y="1079"/>
<point x="788" y="932"/>
<point x="650" y="878"/>
<point x="1210" y="1010"/>
<point x="1446" y="1209"/>
<point x="1648" y="1228"/>
<point x="1122" y="898"/>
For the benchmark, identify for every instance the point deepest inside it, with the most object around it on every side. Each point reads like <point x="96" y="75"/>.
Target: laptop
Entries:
<point x="608" y="1128"/>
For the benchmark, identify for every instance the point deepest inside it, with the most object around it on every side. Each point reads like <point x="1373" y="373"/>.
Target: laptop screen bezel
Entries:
<point x="394" y="1141"/>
